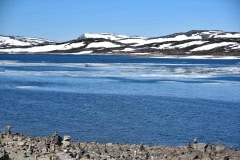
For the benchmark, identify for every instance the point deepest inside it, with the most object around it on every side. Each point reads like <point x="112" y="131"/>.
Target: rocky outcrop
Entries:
<point x="19" y="147"/>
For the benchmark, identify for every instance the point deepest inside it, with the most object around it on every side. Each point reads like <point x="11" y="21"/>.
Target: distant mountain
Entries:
<point x="17" y="41"/>
<point x="195" y="42"/>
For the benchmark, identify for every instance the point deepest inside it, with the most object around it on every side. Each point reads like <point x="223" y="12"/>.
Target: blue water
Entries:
<point x="122" y="99"/>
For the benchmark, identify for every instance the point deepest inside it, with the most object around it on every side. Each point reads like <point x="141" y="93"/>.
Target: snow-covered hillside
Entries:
<point x="195" y="42"/>
<point x="17" y="41"/>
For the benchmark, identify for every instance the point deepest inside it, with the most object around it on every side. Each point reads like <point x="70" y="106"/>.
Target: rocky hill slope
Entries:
<point x="195" y="42"/>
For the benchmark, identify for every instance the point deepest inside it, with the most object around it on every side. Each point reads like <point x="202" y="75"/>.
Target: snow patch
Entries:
<point x="102" y="45"/>
<point x="184" y="45"/>
<point x="104" y="36"/>
<point x="177" y="38"/>
<point x="128" y="49"/>
<point x="137" y="41"/>
<point x="228" y="35"/>
<point x="163" y="46"/>
<point x="237" y="46"/>
<point x="212" y="46"/>
<point x="141" y="53"/>
<point x="76" y="45"/>
<point x="13" y="42"/>
<point x="84" y="52"/>
<point x="46" y="48"/>
<point x="21" y="41"/>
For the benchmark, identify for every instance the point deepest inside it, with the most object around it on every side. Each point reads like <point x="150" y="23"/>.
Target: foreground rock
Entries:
<point x="15" y="146"/>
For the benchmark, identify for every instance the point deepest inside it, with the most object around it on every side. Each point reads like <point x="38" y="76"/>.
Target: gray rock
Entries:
<point x="56" y="139"/>
<point x="66" y="144"/>
<point x="33" y="148"/>
<point x="66" y="141"/>
<point x="220" y="147"/>
<point x="66" y="138"/>
<point x="200" y="146"/>
<point x="64" y="156"/>
<point x="84" y="158"/>
<point x="195" y="140"/>
<point x="21" y="143"/>
<point x="189" y="156"/>
<point x="4" y="155"/>
<point x="207" y="158"/>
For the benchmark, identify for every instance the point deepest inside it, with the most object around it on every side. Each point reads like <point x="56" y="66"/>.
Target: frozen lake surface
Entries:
<point x="121" y="99"/>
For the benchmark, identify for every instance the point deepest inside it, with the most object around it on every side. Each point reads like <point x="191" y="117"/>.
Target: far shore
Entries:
<point x="141" y="55"/>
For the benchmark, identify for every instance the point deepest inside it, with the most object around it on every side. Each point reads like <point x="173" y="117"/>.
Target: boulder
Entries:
<point x="195" y="140"/>
<point x="66" y="141"/>
<point x="56" y="139"/>
<point x="220" y="147"/>
<point x="4" y="155"/>
<point x="66" y="138"/>
<point x="64" y="156"/>
<point x="21" y="143"/>
<point x="200" y="146"/>
<point x="84" y="158"/>
<point x="189" y="156"/>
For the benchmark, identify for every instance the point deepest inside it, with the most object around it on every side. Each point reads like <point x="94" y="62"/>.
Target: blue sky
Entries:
<point x="67" y="19"/>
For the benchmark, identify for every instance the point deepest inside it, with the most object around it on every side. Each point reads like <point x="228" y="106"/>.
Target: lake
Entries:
<point x="121" y="99"/>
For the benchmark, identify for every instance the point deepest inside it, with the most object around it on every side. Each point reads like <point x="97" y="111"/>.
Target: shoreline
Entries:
<point x="17" y="146"/>
<point x="140" y="55"/>
<point x="200" y="57"/>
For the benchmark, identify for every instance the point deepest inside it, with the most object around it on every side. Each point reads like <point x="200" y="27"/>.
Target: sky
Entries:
<point x="62" y="20"/>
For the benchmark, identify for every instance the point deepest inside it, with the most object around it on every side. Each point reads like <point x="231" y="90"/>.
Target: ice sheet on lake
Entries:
<point x="156" y="79"/>
<point x="26" y="87"/>
<point x="125" y="70"/>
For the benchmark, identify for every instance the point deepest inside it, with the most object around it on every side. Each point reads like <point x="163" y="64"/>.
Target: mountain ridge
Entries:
<point x="193" y="42"/>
